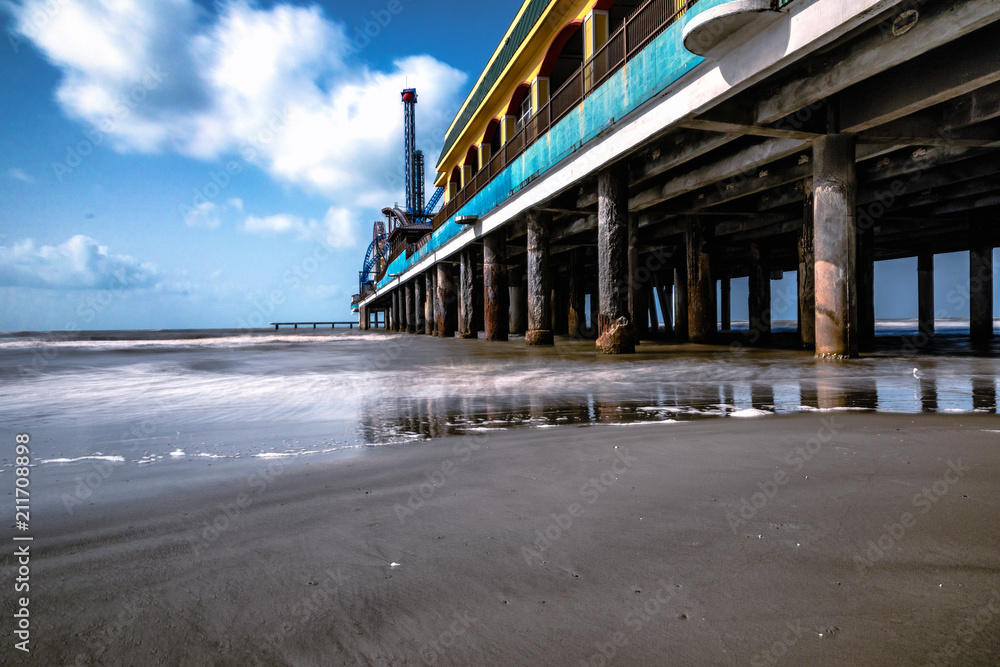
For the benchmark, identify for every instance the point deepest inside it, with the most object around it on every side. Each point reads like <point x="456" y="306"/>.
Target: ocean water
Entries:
<point x="149" y="397"/>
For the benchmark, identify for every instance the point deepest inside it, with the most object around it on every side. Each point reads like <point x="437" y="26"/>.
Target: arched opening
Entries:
<point x="472" y="158"/>
<point x="491" y="137"/>
<point x="520" y="105"/>
<point x="454" y="183"/>
<point x="564" y="56"/>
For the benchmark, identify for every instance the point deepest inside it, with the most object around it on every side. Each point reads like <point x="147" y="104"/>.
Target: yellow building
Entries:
<point x="541" y="56"/>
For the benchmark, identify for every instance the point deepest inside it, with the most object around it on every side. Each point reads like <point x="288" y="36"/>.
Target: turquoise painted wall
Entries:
<point x="663" y="61"/>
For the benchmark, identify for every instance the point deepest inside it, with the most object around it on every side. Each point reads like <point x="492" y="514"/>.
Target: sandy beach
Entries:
<point x="659" y="333"/>
<point x="822" y="538"/>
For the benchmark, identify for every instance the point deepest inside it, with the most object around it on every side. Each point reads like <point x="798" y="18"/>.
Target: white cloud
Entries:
<point x="335" y="229"/>
<point x="19" y="174"/>
<point x="274" y="224"/>
<point x="210" y="215"/>
<point x="205" y="214"/>
<point x="78" y="263"/>
<point x="276" y="86"/>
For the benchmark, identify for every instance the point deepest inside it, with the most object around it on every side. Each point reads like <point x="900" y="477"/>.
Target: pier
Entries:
<point x="333" y="325"/>
<point x="619" y="164"/>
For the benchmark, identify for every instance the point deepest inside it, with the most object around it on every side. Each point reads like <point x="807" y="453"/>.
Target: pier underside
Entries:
<point x="881" y="143"/>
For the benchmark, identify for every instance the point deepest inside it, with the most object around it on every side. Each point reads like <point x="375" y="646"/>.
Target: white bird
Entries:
<point x="916" y="372"/>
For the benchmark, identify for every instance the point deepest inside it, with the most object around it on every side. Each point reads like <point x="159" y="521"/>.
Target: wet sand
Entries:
<point x="873" y="539"/>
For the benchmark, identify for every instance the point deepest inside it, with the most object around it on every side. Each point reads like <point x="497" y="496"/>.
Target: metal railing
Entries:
<point x="637" y="30"/>
<point x="643" y="25"/>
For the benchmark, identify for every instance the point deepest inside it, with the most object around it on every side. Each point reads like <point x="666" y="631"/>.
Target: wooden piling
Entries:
<point x="680" y="302"/>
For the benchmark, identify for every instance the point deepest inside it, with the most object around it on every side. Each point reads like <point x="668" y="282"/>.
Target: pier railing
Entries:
<point x="333" y="325"/>
<point x="642" y="26"/>
<point x="647" y="21"/>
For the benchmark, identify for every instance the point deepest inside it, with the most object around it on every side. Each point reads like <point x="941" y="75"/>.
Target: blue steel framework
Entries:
<point x="416" y="215"/>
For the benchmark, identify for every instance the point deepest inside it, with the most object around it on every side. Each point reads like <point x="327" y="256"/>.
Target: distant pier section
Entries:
<point x="333" y="325"/>
<point x="619" y="163"/>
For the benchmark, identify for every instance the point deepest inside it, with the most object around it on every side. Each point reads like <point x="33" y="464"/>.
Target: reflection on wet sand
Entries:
<point x="984" y="394"/>
<point x="449" y="416"/>
<point x="928" y="395"/>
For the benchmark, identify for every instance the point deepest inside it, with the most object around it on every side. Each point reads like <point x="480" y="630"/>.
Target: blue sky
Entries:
<point x="181" y="164"/>
<point x="190" y="164"/>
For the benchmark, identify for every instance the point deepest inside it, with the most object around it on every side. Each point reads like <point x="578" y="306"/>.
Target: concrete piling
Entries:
<point x="411" y="310"/>
<point x="466" y="294"/>
<point x="725" y="304"/>
<point x="806" y="275"/>
<point x="430" y="308"/>
<point x="496" y="295"/>
<point x="835" y="245"/>
<point x="616" y="334"/>
<point x="539" y="297"/>
<point x="759" y="299"/>
<point x="980" y="285"/>
<point x="680" y="302"/>
<point x="419" y="305"/>
<point x="395" y="326"/>
<point x="925" y="293"/>
<point x="700" y="288"/>
<point x="445" y="302"/>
